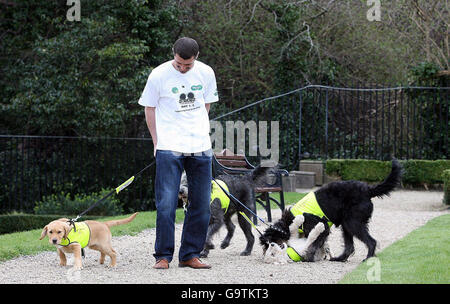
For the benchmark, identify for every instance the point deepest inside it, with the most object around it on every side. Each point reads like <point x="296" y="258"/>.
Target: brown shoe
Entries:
<point x="161" y="264"/>
<point x="194" y="263"/>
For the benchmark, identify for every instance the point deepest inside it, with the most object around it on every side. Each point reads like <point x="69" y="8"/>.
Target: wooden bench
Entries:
<point x="226" y="162"/>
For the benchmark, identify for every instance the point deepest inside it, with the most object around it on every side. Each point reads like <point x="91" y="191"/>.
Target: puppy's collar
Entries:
<point x="280" y="231"/>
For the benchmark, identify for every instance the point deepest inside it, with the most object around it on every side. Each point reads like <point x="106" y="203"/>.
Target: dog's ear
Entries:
<point x="66" y="230"/>
<point x="44" y="232"/>
<point x="287" y="216"/>
<point x="264" y="243"/>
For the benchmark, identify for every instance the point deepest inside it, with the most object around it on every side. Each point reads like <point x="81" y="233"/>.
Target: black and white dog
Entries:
<point x="345" y="203"/>
<point x="222" y="209"/>
<point x="296" y="249"/>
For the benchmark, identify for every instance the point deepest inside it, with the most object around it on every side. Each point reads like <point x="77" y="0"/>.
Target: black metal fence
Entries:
<point x="315" y="122"/>
<point x="321" y="122"/>
<point x="36" y="166"/>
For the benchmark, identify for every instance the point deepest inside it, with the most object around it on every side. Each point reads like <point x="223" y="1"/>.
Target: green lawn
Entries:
<point x="422" y="257"/>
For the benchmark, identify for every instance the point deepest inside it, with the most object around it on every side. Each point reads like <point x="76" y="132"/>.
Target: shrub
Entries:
<point x="424" y="171"/>
<point x="21" y="222"/>
<point x="415" y="172"/>
<point x="65" y="204"/>
<point x="359" y="169"/>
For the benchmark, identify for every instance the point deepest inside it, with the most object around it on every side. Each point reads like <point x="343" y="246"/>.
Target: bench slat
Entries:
<point x="234" y="157"/>
<point x="233" y="163"/>
<point x="267" y="189"/>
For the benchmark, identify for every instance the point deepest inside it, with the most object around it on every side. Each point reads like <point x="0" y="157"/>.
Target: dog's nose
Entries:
<point x="54" y="241"/>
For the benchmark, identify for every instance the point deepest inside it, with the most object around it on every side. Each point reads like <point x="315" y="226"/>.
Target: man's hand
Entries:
<point x="151" y="124"/>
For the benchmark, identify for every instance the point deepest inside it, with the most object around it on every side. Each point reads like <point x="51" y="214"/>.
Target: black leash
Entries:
<point x="116" y="190"/>
<point x="235" y="200"/>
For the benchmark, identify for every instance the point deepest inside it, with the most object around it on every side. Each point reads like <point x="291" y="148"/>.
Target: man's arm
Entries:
<point x="207" y="106"/>
<point x="151" y="124"/>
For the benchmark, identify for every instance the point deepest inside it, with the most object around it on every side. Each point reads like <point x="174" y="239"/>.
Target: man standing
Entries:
<point x="177" y="99"/>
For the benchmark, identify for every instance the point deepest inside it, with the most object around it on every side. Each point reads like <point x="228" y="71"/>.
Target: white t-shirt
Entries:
<point x="182" y="121"/>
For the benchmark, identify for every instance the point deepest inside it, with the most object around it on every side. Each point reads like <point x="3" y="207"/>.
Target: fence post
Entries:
<point x="326" y="123"/>
<point x="300" y="128"/>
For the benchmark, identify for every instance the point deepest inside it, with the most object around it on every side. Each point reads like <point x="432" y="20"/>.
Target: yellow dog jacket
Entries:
<point x="293" y="254"/>
<point x="216" y="192"/>
<point x="81" y="236"/>
<point x="308" y="204"/>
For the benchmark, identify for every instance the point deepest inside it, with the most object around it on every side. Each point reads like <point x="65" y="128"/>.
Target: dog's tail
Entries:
<point x="121" y="222"/>
<point x="389" y="184"/>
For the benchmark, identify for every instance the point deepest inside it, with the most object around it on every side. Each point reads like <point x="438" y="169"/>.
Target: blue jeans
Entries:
<point x="169" y="167"/>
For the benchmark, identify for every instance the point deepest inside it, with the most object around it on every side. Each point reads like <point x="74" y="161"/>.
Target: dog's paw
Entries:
<point x="245" y="253"/>
<point x="298" y="220"/>
<point x="204" y="254"/>
<point x="224" y="245"/>
<point x="338" y="259"/>
<point x="209" y="246"/>
<point x="321" y="228"/>
<point x="317" y="230"/>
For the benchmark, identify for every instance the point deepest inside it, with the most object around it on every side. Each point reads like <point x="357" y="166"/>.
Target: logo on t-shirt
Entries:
<point x="187" y="102"/>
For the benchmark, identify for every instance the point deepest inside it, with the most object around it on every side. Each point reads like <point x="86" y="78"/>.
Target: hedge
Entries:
<point x="446" y="178"/>
<point x="358" y="169"/>
<point x="23" y="222"/>
<point x="415" y="172"/>
<point x="424" y="171"/>
<point x="66" y="203"/>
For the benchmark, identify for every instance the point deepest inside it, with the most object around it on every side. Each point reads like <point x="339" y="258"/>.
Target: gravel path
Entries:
<point x="393" y="218"/>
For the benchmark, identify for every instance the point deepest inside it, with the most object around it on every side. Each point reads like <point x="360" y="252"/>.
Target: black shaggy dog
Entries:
<point x="346" y="203"/>
<point x="242" y="188"/>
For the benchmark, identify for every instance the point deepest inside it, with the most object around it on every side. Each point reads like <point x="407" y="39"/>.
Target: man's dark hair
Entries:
<point x="185" y="47"/>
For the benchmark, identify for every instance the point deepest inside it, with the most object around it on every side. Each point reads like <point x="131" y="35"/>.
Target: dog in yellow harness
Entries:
<point x="222" y="209"/>
<point x="347" y="204"/>
<point x="92" y="234"/>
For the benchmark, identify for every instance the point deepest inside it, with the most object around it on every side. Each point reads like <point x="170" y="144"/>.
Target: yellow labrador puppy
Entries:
<point x="93" y="234"/>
